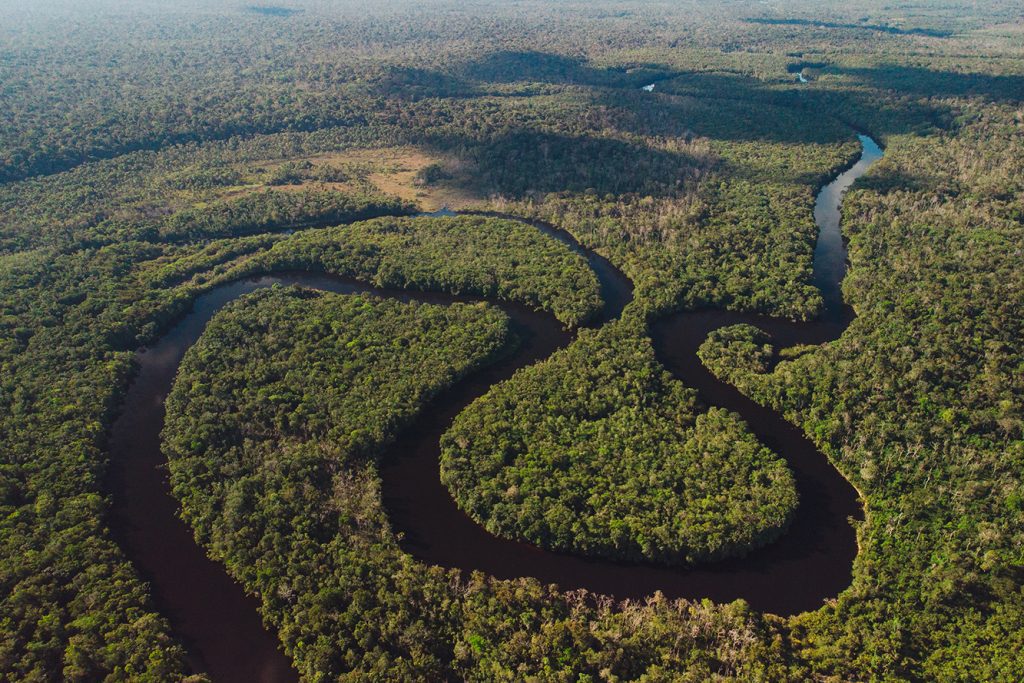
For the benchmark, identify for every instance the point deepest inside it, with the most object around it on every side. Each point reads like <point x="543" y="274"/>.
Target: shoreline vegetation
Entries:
<point x="600" y="452"/>
<point x="152" y="156"/>
<point x="422" y="440"/>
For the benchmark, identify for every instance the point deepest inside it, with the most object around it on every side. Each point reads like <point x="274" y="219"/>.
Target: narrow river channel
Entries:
<point x="221" y="626"/>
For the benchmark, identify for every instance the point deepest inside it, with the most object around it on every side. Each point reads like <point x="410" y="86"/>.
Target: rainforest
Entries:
<point x="532" y="341"/>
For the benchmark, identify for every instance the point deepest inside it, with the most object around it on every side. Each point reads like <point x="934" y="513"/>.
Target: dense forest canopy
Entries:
<point x="620" y="462"/>
<point x="150" y="152"/>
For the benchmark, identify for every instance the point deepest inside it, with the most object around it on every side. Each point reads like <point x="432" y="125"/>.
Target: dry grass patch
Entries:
<point x="432" y="181"/>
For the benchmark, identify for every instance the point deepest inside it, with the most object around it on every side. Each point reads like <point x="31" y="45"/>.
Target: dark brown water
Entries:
<point x="220" y="625"/>
<point x="810" y="563"/>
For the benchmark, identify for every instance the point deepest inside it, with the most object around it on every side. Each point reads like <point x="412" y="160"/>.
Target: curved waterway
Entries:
<point x="220" y="625"/>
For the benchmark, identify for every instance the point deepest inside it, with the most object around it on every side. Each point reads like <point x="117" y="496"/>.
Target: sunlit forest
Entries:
<point x="525" y="189"/>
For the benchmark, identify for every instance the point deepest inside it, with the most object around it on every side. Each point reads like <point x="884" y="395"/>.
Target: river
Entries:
<point x="220" y="625"/>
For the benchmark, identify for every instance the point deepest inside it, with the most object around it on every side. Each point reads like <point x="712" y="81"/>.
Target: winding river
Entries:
<point x="220" y="625"/>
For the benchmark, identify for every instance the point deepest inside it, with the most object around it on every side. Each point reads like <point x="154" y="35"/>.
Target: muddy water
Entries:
<point x="220" y="625"/>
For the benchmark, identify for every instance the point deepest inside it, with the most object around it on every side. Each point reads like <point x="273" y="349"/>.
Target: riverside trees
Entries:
<point x="701" y="192"/>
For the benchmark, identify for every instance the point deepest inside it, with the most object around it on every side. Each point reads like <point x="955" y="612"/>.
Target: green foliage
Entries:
<point x="598" y="451"/>
<point x="291" y="364"/>
<point x="73" y="608"/>
<point x="431" y="174"/>
<point x="70" y="598"/>
<point x="919" y="405"/>
<point x="497" y="258"/>
<point x="274" y="210"/>
<point x="272" y="428"/>
<point x="701" y="190"/>
<point x="738" y="233"/>
<point x="736" y="352"/>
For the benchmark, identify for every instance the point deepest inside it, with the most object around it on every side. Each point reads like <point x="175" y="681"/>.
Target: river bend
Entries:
<point x="220" y="625"/>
